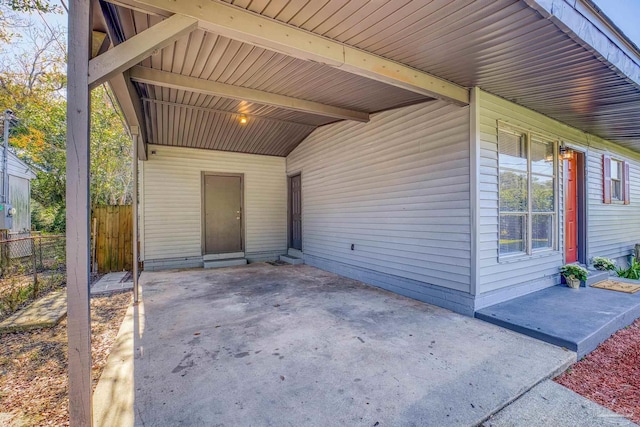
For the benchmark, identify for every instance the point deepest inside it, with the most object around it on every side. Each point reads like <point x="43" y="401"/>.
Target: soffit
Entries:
<point x="503" y="46"/>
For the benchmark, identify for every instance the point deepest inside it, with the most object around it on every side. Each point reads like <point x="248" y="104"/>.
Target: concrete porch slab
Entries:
<point x="577" y="319"/>
<point x="294" y="345"/>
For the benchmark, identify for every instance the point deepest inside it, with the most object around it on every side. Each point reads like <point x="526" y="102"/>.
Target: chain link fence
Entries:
<point x="29" y="267"/>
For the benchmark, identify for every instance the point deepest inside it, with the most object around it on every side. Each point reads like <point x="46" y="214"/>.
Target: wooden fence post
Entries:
<point x="637" y="252"/>
<point x="4" y="235"/>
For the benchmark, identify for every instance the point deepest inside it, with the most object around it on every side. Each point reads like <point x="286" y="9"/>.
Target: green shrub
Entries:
<point x="633" y="272"/>
<point x="603" y="264"/>
<point x="574" y="271"/>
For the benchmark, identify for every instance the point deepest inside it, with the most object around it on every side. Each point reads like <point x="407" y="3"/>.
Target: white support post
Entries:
<point x="134" y="203"/>
<point x="78" y="214"/>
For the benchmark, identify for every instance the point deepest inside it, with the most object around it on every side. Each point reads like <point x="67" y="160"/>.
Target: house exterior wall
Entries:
<point x="612" y="229"/>
<point x="171" y="204"/>
<point x="397" y="188"/>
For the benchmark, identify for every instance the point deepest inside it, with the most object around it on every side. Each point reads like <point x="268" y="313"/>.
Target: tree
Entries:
<point x="32" y="83"/>
<point x="9" y="20"/>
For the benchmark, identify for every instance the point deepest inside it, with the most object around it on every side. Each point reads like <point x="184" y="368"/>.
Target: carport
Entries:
<point x="295" y="345"/>
<point x="188" y="74"/>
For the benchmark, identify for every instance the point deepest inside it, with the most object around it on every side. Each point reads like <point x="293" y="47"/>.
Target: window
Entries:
<point x="527" y="195"/>
<point x="615" y="179"/>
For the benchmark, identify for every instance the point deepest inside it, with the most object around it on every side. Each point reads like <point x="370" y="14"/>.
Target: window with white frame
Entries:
<point x="528" y="208"/>
<point x="616" y="179"/>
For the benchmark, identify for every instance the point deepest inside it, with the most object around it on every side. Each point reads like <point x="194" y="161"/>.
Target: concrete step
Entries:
<point x="219" y="263"/>
<point x="596" y="276"/>
<point x="291" y="259"/>
<point x="295" y="253"/>
<point x="228" y="255"/>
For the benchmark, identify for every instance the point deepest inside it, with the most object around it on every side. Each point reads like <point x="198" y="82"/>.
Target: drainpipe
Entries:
<point x="134" y="209"/>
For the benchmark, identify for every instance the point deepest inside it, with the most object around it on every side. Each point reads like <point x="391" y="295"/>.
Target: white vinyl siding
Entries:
<point x="612" y="229"/>
<point x="20" y="176"/>
<point x="397" y="188"/>
<point x="172" y="200"/>
<point x="20" y="199"/>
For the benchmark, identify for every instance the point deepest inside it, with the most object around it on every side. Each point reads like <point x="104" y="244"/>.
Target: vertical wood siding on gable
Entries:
<point x="612" y="229"/>
<point x="172" y="200"/>
<point x="397" y="188"/>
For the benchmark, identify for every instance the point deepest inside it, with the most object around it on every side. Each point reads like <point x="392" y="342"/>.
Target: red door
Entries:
<point x="571" y="211"/>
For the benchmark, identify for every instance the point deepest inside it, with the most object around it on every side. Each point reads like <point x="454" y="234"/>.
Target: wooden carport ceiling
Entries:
<point x="192" y="119"/>
<point x="505" y="47"/>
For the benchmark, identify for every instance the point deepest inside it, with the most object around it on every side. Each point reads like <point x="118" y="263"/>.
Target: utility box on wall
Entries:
<point x="6" y="216"/>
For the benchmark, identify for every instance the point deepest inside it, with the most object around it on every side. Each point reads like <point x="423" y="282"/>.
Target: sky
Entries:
<point x="625" y="14"/>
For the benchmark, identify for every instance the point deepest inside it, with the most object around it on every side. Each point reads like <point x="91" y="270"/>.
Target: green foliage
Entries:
<point x="32" y="84"/>
<point x="632" y="272"/>
<point x="603" y="264"/>
<point x="31" y="5"/>
<point x="574" y="271"/>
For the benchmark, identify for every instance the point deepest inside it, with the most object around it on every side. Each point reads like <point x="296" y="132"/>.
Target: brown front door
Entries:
<point x="222" y="214"/>
<point x="295" y="212"/>
<point x="571" y="210"/>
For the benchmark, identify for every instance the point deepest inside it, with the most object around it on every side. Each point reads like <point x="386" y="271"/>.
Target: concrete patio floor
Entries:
<point x="294" y="345"/>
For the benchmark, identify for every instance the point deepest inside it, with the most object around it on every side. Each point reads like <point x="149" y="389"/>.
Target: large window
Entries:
<point x="528" y="212"/>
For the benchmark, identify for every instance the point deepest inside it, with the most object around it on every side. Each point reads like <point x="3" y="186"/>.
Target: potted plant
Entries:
<point x="603" y="264"/>
<point x="574" y="274"/>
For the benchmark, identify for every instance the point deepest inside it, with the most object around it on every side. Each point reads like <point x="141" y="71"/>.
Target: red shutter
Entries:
<point x="606" y="178"/>
<point x="626" y="184"/>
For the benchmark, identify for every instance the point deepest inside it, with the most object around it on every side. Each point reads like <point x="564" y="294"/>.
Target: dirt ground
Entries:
<point x="33" y="365"/>
<point x="610" y="375"/>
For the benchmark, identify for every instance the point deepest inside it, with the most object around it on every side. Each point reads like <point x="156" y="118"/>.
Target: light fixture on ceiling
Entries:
<point x="243" y="119"/>
<point x="566" y="153"/>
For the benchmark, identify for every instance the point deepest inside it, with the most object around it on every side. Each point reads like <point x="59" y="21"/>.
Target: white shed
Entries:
<point x="20" y="176"/>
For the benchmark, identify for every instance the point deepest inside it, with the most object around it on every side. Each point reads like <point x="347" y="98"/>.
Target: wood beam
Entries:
<point x="207" y="87"/>
<point x="248" y="27"/>
<point x="142" y="45"/>
<point x="78" y="213"/>
<point x="133" y="5"/>
<point x="131" y="107"/>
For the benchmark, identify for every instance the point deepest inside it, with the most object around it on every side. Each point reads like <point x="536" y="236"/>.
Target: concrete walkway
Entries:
<point x="294" y="345"/>
<point x="112" y="283"/>
<point x="45" y="312"/>
<point x="550" y="404"/>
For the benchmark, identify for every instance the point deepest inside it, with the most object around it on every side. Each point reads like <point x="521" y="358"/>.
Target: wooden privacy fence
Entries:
<point x="111" y="237"/>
